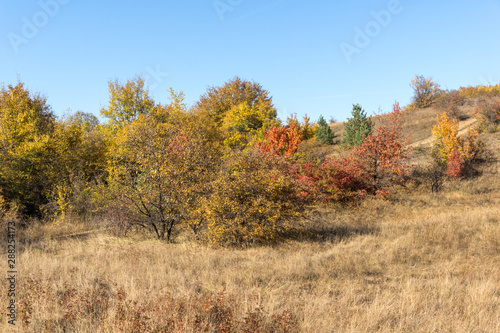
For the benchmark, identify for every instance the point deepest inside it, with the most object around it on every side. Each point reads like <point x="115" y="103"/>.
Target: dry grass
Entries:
<point x="421" y="264"/>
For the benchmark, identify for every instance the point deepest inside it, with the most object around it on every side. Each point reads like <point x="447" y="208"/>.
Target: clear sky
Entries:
<point x="315" y="57"/>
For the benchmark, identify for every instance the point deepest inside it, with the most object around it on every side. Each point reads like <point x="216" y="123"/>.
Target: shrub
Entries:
<point x="431" y="175"/>
<point x="281" y="140"/>
<point x="488" y="115"/>
<point x="372" y="168"/>
<point x="455" y="166"/>
<point x="382" y="156"/>
<point x="456" y="154"/>
<point x="450" y="102"/>
<point x="480" y="91"/>
<point x="254" y="200"/>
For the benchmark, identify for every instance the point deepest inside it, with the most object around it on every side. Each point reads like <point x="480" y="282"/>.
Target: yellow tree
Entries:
<point x="306" y="127"/>
<point x="79" y="153"/>
<point x="239" y="108"/>
<point x="159" y="168"/>
<point x="26" y="125"/>
<point x="126" y="102"/>
<point x="242" y="122"/>
<point x="456" y="153"/>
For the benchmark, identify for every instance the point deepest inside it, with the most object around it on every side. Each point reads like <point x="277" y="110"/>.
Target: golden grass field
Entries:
<point x="421" y="262"/>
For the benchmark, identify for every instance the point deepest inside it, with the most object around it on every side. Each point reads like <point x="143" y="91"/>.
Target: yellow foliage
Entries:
<point x="447" y="140"/>
<point x="487" y="91"/>
<point x="306" y="127"/>
<point x="127" y="102"/>
<point x="425" y="91"/>
<point x="253" y="201"/>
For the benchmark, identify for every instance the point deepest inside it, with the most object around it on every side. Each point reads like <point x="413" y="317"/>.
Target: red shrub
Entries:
<point x="455" y="166"/>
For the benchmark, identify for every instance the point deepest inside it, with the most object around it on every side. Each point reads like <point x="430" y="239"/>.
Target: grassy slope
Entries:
<point x="423" y="263"/>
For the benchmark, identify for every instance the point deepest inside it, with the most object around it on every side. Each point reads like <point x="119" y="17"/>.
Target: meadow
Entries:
<point x="416" y="261"/>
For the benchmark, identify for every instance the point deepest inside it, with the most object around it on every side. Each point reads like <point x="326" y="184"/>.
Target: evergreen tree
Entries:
<point x="324" y="133"/>
<point x="358" y="127"/>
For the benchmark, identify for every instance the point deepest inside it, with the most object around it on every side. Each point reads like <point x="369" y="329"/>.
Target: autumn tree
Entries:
<point x="425" y="91"/>
<point x="378" y="164"/>
<point x="217" y="101"/>
<point x="324" y="133"/>
<point x="240" y="109"/>
<point x="382" y="155"/>
<point x="79" y="154"/>
<point x="456" y="154"/>
<point x="358" y="127"/>
<point x="158" y="167"/>
<point x="26" y="126"/>
<point x="242" y="122"/>
<point x="126" y="102"/>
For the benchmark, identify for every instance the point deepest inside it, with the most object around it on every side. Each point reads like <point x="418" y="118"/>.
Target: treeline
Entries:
<point x="227" y="168"/>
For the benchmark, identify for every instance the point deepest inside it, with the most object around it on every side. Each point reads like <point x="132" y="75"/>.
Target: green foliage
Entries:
<point x="126" y="102"/>
<point x="425" y="91"/>
<point x="324" y="133"/>
<point x="358" y="127"/>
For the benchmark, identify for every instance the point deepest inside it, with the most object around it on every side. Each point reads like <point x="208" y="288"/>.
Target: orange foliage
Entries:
<point x="281" y="140"/>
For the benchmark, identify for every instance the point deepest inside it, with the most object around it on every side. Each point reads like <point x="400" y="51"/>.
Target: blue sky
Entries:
<point x="314" y="57"/>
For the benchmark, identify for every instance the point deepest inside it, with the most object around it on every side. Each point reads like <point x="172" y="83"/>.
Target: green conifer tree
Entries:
<point x="324" y="133"/>
<point x="358" y="127"/>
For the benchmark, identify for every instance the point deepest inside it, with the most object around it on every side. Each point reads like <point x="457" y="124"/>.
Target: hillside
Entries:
<point x="419" y="262"/>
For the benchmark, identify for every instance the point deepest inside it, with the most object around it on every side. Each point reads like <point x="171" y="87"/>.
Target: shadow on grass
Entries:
<point x="330" y="234"/>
